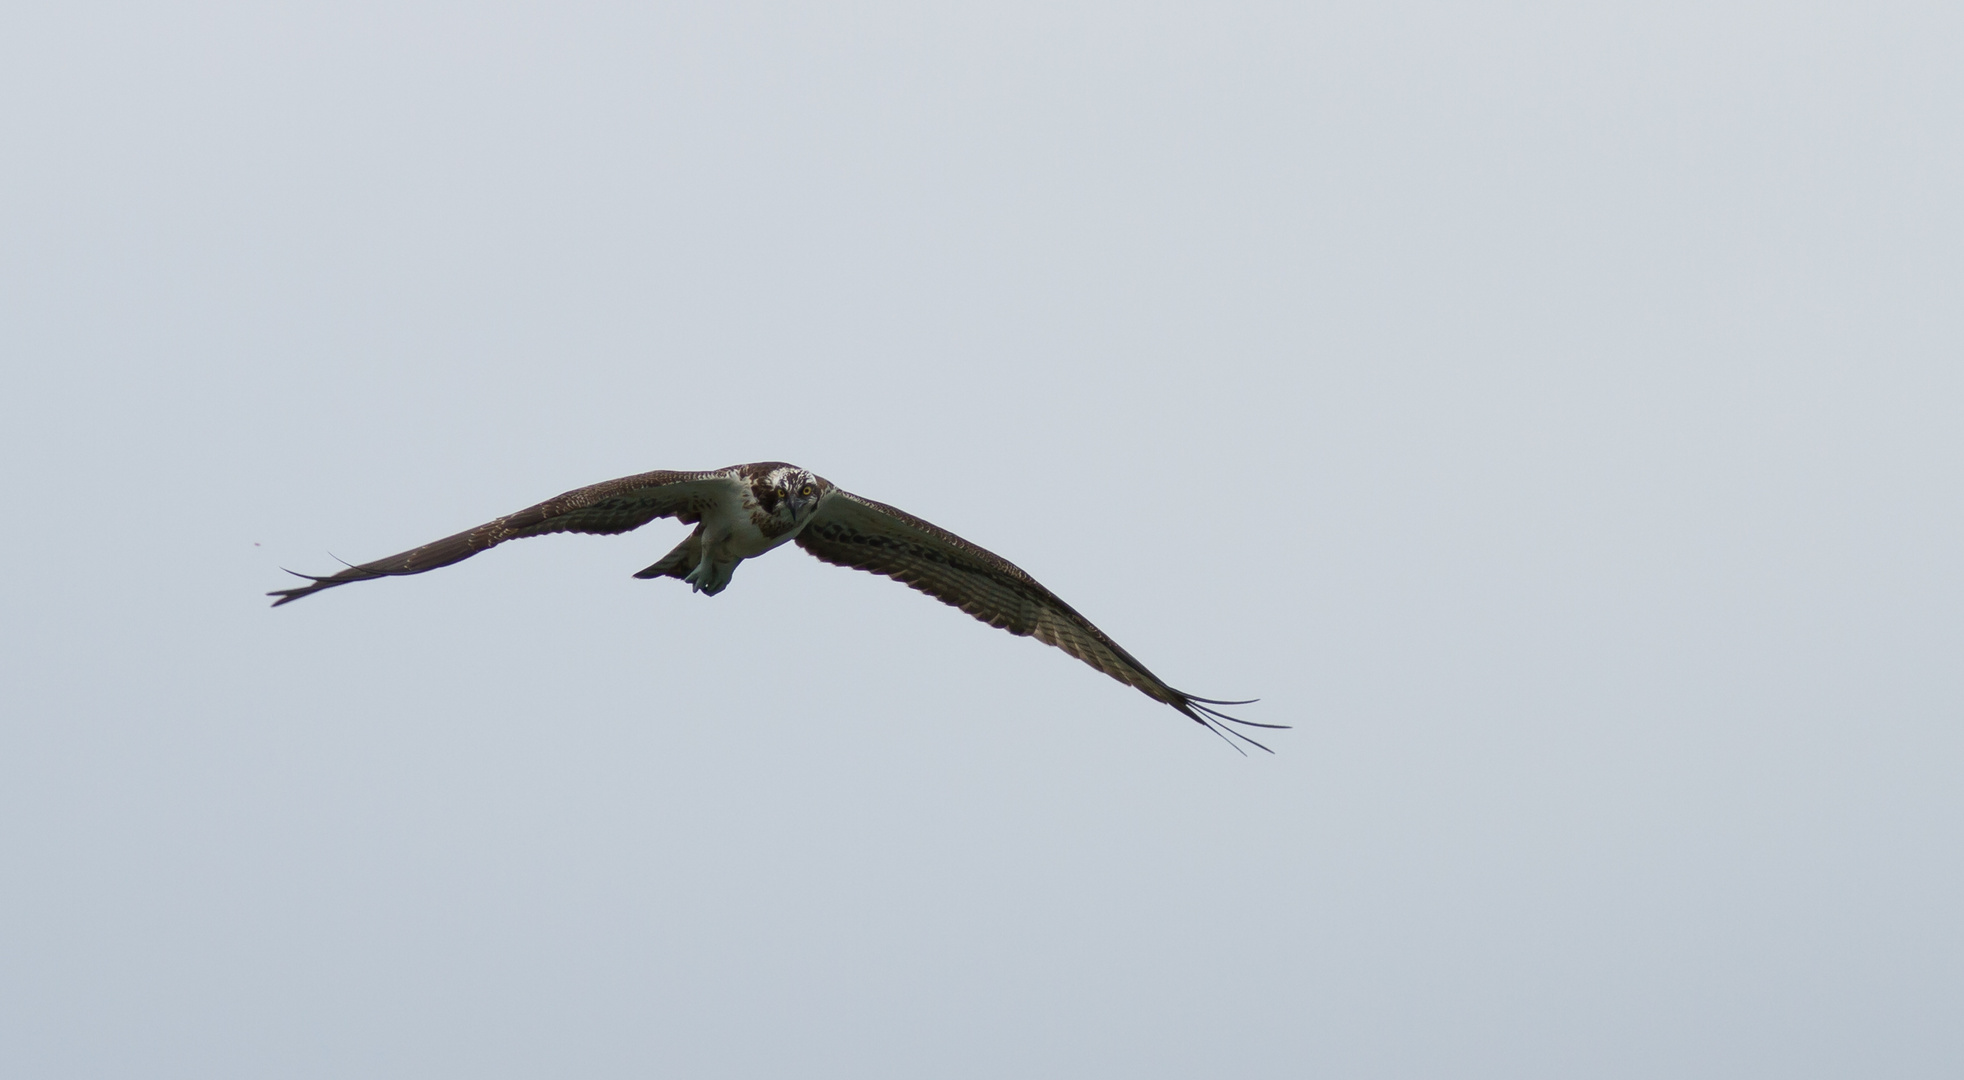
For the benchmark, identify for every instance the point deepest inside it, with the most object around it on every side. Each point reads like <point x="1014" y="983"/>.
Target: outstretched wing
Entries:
<point x="866" y="535"/>
<point x="615" y="506"/>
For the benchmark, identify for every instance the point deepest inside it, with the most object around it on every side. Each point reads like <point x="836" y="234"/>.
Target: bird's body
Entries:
<point x="746" y="510"/>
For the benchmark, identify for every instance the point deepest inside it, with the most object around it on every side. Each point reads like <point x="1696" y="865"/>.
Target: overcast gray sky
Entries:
<point x="1551" y="410"/>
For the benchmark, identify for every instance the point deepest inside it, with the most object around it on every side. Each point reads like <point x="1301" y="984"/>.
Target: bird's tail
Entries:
<point x="679" y="562"/>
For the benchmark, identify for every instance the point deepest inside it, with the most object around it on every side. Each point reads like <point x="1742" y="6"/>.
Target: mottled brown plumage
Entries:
<point x="745" y="510"/>
<point x="616" y="506"/>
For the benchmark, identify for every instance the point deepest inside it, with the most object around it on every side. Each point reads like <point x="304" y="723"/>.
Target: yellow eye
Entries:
<point x="780" y="493"/>
<point x="806" y="491"/>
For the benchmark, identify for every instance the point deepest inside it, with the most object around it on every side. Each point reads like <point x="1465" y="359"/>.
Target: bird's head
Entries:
<point x="790" y="495"/>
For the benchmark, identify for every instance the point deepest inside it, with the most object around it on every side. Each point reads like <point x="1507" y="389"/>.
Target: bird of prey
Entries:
<point x="746" y="510"/>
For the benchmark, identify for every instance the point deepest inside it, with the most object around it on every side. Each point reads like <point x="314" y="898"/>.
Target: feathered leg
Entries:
<point x="693" y="562"/>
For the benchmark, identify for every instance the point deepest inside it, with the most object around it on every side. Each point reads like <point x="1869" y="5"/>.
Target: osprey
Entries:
<point x="746" y="510"/>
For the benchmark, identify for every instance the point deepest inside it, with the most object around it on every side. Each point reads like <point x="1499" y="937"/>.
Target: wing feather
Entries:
<point x="613" y="506"/>
<point x="862" y="534"/>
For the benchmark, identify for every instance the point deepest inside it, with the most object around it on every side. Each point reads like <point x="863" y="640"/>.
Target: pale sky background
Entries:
<point x="1552" y="410"/>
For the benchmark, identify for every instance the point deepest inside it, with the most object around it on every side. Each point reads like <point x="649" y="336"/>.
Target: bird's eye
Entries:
<point x="805" y="491"/>
<point x="780" y="493"/>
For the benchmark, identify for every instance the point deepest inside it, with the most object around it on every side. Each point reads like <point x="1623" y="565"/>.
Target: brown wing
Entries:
<point x="866" y="535"/>
<point x="615" y="506"/>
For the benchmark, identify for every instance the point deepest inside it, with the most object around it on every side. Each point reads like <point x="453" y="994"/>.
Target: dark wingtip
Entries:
<point x="287" y="596"/>
<point x="1217" y="721"/>
<point x="318" y="582"/>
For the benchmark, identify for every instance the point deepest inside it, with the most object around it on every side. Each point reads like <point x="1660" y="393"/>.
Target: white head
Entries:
<point x="787" y="496"/>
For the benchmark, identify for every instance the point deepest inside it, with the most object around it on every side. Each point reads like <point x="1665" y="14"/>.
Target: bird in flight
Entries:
<point x="746" y="510"/>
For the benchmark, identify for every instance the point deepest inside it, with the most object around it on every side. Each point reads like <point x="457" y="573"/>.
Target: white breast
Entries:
<point x="729" y="534"/>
